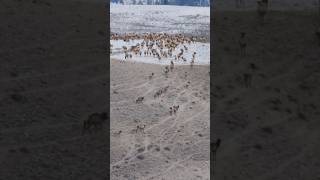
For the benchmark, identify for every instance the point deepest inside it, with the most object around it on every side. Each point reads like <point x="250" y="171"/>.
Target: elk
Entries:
<point x="180" y="54"/>
<point x="150" y="77"/>
<point x="262" y="10"/>
<point x="242" y="44"/>
<point x="194" y="56"/>
<point x="214" y="146"/>
<point x="166" y="71"/>
<point x="170" y="111"/>
<point x="171" y="66"/>
<point x="318" y="35"/>
<point x="175" y="109"/>
<point x="139" y="100"/>
<point x="95" y="120"/>
<point x="141" y="128"/>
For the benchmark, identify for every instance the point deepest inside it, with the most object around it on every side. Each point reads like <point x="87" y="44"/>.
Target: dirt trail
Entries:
<point x="168" y="140"/>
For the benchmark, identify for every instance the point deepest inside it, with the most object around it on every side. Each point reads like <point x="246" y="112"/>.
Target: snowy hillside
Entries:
<point x="164" y="2"/>
<point x="160" y="18"/>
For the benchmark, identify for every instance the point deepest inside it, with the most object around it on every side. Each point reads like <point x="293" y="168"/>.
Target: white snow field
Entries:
<point x="202" y="57"/>
<point x="160" y="18"/>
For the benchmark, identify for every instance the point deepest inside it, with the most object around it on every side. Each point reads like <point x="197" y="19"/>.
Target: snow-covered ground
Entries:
<point x="202" y="53"/>
<point x="160" y="18"/>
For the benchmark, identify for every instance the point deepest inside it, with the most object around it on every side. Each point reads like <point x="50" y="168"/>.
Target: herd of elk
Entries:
<point x="157" y="45"/>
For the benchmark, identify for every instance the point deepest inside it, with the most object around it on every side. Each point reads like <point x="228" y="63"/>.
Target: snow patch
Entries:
<point x="160" y="18"/>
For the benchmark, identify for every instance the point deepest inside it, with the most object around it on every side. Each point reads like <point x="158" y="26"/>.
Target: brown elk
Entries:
<point x="139" y="100"/>
<point x="95" y="120"/>
<point x="141" y="128"/>
<point x="262" y="10"/>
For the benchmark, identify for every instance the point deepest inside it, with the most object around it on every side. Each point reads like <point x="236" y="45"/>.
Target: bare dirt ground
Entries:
<point x="269" y="131"/>
<point x="173" y="146"/>
<point x="53" y="74"/>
